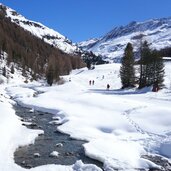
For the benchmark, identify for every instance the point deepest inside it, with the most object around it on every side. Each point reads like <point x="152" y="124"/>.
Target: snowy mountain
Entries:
<point x="48" y="35"/>
<point x="125" y="130"/>
<point x="111" y="46"/>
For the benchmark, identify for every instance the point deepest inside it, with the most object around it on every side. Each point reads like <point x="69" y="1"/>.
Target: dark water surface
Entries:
<point x="70" y="151"/>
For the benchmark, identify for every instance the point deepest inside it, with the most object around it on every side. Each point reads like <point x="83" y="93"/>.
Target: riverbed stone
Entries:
<point x="36" y="155"/>
<point x="54" y="154"/>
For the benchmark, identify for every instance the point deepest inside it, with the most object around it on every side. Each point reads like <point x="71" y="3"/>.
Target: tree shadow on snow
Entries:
<point x="121" y="91"/>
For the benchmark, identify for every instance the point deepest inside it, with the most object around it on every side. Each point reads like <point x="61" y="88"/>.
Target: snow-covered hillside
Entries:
<point x="156" y="31"/>
<point x="48" y="35"/>
<point x="120" y="126"/>
<point x="123" y="129"/>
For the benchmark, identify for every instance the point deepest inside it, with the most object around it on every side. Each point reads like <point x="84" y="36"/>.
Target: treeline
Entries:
<point x="166" y="52"/>
<point x="150" y="68"/>
<point x="92" y="59"/>
<point x="32" y="53"/>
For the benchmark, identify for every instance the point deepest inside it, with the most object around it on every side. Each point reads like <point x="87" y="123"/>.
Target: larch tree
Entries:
<point x="50" y="75"/>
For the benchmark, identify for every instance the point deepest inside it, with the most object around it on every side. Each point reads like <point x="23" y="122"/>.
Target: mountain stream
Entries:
<point x="52" y="147"/>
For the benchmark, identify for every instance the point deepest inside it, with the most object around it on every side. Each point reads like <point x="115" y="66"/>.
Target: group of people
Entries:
<point x="91" y="82"/>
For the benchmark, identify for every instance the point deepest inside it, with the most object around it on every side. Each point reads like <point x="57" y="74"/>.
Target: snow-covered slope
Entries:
<point x="120" y="126"/>
<point x="156" y="31"/>
<point x="48" y="35"/>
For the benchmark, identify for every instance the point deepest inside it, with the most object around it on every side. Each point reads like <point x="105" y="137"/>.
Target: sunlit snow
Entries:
<point x="119" y="125"/>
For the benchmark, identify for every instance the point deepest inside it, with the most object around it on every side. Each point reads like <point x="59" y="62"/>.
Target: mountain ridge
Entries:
<point x="111" y="46"/>
<point x="31" y="53"/>
<point x="50" y="36"/>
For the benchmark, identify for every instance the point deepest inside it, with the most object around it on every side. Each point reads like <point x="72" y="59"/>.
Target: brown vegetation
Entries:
<point x="33" y="53"/>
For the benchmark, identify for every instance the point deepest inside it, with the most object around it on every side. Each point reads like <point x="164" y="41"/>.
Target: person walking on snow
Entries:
<point x="108" y="86"/>
<point x="93" y="82"/>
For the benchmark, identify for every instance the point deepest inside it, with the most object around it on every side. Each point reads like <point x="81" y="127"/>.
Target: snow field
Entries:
<point x="119" y="125"/>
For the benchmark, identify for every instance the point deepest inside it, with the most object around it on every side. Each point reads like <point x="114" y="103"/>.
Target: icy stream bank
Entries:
<point x="69" y="150"/>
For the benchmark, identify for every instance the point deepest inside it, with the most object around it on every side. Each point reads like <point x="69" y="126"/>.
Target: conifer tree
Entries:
<point x="50" y="75"/>
<point x="4" y="71"/>
<point x="158" y="70"/>
<point x="144" y="64"/>
<point x="12" y="69"/>
<point x="151" y="67"/>
<point x="127" y="72"/>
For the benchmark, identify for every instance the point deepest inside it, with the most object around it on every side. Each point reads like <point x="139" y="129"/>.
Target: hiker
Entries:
<point x="108" y="86"/>
<point x="90" y="82"/>
<point x="155" y="87"/>
<point x="93" y="82"/>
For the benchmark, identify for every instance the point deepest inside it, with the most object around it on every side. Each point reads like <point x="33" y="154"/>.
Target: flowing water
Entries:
<point x="70" y="150"/>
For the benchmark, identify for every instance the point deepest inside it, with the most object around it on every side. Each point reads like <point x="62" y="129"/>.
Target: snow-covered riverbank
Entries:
<point x="119" y="125"/>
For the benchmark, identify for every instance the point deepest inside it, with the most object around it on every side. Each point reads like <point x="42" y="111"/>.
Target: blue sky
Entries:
<point x="83" y="19"/>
